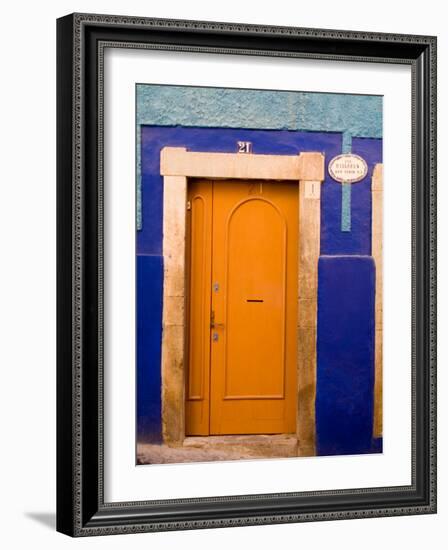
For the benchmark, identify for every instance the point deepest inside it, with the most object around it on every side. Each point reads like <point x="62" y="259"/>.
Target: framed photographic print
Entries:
<point x="246" y="274"/>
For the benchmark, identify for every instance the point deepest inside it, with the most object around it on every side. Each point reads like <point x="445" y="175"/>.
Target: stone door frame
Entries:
<point x="176" y="166"/>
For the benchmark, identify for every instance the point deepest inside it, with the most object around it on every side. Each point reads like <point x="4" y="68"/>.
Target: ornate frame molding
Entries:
<point x="81" y="39"/>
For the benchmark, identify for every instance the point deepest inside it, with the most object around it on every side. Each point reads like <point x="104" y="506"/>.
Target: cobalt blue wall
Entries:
<point x="333" y="242"/>
<point x="346" y="318"/>
<point x="358" y="240"/>
<point x="279" y="142"/>
<point x="148" y="345"/>
<point x="345" y="354"/>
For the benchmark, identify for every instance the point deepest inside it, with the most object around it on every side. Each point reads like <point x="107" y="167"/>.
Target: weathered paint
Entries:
<point x="346" y="190"/>
<point x="149" y="240"/>
<point x="358" y="240"/>
<point x="161" y="105"/>
<point x="345" y="355"/>
<point x="377" y="253"/>
<point x="281" y="142"/>
<point x="346" y="207"/>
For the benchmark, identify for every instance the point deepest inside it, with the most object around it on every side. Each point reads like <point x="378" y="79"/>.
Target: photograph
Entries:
<point x="246" y="250"/>
<point x="258" y="273"/>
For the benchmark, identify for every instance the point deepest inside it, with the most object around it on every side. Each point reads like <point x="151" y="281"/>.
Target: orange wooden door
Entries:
<point x="251" y="337"/>
<point x="199" y="265"/>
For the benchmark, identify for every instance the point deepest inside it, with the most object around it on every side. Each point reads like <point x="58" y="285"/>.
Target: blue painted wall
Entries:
<point x="280" y="142"/>
<point x="149" y="336"/>
<point x="346" y="270"/>
<point x="345" y="355"/>
<point x="333" y="240"/>
<point x="358" y="240"/>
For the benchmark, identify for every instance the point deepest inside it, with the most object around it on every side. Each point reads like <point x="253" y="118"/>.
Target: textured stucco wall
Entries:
<point x="207" y="119"/>
<point x="359" y="115"/>
<point x="354" y="115"/>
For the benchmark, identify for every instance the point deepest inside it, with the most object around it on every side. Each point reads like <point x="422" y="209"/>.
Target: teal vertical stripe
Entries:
<point x="346" y="207"/>
<point x="346" y="200"/>
<point x="346" y="142"/>
<point x="138" y="177"/>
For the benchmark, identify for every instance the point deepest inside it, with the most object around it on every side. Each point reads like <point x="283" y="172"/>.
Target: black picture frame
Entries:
<point x="81" y="510"/>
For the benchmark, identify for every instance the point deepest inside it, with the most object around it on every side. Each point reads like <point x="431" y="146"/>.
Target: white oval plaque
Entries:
<point x="347" y="168"/>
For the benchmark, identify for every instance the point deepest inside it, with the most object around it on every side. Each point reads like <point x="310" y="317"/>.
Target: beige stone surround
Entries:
<point x="377" y="253"/>
<point x="176" y="166"/>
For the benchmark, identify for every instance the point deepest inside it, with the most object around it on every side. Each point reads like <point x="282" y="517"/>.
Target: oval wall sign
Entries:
<point x="348" y="168"/>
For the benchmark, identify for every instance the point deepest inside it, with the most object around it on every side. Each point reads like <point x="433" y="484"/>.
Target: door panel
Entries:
<point x="242" y="307"/>
<point x="199" y="242"/>
<point x="255" y="256"/>
<point x="255" y="269"/>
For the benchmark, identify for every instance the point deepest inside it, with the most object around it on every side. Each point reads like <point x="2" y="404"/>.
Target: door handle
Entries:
<point x="212" y="321"/>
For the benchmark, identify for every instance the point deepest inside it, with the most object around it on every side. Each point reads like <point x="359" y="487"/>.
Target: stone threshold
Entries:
<point x="213" y="448"/>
